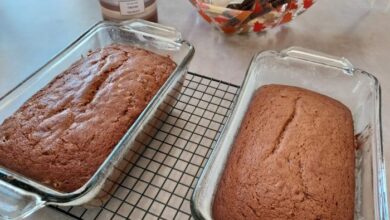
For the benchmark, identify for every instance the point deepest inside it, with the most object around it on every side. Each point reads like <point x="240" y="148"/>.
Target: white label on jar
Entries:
<point x="132" y="7"/>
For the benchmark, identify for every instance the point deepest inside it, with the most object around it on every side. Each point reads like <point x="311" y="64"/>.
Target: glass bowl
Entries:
<point x="260" y="16"/>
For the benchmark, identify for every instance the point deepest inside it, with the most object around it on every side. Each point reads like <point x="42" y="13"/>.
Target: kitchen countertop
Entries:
<point x="34" y="31"/>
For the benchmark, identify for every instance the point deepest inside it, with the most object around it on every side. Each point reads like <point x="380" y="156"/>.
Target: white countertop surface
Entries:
<point x="31" y="32"/>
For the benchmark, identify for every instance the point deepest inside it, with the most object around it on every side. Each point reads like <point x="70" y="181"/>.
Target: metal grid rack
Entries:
<point x="161" y="176"/>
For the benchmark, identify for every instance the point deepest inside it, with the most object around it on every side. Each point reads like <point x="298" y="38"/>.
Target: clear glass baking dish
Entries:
<point x="21" y="196"/>
<point x="334" y="77"/>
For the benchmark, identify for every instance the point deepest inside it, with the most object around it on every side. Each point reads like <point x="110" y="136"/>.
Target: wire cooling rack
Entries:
<point x="160" y="177"/>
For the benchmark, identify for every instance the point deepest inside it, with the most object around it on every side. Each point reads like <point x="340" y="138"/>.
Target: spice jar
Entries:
<point x="119" y="10"/>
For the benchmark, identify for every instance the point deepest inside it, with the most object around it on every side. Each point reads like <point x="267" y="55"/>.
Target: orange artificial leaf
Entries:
<point x="293" y="5"/>
<point x="286" y="18"/>
<point x="228" y="29"/>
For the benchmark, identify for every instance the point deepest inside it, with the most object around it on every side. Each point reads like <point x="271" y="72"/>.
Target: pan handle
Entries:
<point x="320" y="58"/>
<point x="153" y="29"/>
<point x="16" y="203"/>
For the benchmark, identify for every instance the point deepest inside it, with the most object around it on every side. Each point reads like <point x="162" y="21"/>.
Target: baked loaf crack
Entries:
<point x="293" y="158"/>
<point x="63" y="133"/>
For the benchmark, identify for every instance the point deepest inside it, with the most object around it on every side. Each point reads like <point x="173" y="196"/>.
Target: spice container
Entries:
<point x="328" y="75"/>
<point x="120" y="10"/>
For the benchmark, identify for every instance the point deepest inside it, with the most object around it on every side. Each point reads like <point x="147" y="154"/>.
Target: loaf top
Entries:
<point x="63" y="133"/>
<point x="293" y="158"/>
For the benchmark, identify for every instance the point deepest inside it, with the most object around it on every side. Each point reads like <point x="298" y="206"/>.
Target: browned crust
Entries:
<point x="62" y="134"/>
<point x="293" y="158"/>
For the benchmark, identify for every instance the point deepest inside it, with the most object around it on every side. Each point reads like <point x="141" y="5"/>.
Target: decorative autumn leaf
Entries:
<point x="257" y="27"/>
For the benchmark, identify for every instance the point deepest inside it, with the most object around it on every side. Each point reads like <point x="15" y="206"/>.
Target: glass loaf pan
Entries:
<point x="21" y="196"/>
<point x="334" y="77"/>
